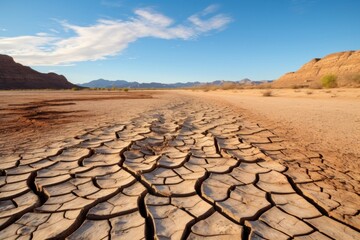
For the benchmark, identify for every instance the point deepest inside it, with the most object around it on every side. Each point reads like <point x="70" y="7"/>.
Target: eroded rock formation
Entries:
<point x="344" y="65"/>
<point x="16" y="76"/>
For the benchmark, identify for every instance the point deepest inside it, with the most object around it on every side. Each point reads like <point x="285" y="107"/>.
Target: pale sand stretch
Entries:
<point x="326" y="120"/>
<point x="172" y="166"/>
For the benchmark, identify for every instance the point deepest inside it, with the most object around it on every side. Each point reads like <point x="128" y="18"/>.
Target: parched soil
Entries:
<point x="173" y="165"/>
<point x="37" y="116"/>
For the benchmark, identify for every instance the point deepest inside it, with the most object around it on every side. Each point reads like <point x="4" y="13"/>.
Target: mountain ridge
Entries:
<point x="345" y="66"/>
<point x="103" y="83"/>
<point x="14" y="75"/>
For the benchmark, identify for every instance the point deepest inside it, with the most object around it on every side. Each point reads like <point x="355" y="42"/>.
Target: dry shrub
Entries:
<point x="309" y="92"/>
<point x="227" y="86"/>
<point x="329" y="81"/>
<point x="267" y="93"/>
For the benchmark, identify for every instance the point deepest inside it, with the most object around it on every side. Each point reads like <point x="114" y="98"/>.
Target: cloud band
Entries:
<point x="107" y="37"/>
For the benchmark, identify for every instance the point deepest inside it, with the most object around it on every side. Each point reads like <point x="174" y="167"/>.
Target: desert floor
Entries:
<point x="180" y="164"/>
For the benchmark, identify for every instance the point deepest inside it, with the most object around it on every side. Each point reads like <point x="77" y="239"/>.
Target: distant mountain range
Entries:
<point x="16" y="76"/>
<point x="102" y="83"/>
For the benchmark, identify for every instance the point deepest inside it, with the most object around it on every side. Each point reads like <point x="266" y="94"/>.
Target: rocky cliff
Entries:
<point x="16" y="76"/>
<point x="344" y="65"/>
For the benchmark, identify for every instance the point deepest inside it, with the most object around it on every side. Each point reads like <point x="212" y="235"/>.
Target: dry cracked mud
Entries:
<point x="191" y="170"/>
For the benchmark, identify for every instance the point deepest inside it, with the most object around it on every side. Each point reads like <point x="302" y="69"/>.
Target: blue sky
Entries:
<point x="177" y="40"/>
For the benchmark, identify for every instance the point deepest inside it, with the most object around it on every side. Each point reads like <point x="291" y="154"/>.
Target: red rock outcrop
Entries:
<point x="344" y="65"/>
<point x="16" y="76"/>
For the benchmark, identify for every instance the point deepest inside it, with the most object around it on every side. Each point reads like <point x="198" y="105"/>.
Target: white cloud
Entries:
<point x="205" y="25"/>
<point x="210" y="9"/>
<point x="42" y="34"/>
<point x="216" y="22"/>
<point x="106" y="37"/>
<point x="153" y="17"/>
<point x="54" y="30"/>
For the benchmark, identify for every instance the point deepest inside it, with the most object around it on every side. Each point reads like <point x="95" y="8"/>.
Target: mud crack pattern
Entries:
<point x="190" y="171"/>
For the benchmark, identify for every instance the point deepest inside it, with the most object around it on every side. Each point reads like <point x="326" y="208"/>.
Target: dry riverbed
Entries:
<point x="179" y="164"/>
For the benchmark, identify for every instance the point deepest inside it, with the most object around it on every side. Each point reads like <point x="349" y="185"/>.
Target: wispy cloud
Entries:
<point x="107" y="37"/>
<point x="210" y="9"/>
<point x="54" y="30"/>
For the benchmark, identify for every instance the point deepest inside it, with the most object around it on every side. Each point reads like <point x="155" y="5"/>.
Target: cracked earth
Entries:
<point x="190" y="170"/>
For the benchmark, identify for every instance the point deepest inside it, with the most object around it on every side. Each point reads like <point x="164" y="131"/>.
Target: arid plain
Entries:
<point x="180" y="164"/>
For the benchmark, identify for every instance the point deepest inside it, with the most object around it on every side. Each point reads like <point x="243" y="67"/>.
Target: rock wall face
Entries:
<point x="344" y="65"/>
<point x="16" y="76"/>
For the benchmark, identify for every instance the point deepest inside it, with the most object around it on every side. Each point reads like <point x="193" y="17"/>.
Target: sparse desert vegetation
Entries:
<point x="329" y="81"/>
<point x="267" y="93"/>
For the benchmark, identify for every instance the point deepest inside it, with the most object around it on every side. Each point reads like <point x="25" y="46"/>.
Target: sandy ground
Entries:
<point x="179" y="165"/>
<point x="34" y="118"/>
<point x="327" y="121"/>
